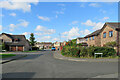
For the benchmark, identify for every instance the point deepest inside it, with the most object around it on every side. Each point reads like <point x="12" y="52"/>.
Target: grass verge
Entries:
<point x="6" y="55"/>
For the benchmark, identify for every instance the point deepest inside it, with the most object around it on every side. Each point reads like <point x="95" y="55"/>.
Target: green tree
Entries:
<point x="32" y="39"/>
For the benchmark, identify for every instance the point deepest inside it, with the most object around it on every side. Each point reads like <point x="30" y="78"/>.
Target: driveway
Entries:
<point x="42" y="64"/>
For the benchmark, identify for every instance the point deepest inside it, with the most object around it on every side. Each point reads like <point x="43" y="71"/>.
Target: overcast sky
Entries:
<point x="54" y="21"/>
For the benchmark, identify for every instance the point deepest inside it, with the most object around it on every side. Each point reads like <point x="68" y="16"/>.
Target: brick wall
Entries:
<point x="91" y="42"/>
<point x="108" y="39"/>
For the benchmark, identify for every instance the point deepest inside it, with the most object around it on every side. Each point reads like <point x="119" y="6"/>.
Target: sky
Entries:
<point x="55" y="21"/>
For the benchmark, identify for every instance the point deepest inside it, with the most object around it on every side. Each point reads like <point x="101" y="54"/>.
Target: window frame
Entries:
<point x="110" y="33"/>
<point x="93" y="38"/>
<point x="104" y="35"/>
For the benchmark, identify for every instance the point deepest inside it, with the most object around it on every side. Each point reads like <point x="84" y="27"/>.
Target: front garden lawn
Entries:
<point x="6" y="55"/>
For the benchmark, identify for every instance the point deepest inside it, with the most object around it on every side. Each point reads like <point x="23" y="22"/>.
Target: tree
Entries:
<point x="32" y="39"/>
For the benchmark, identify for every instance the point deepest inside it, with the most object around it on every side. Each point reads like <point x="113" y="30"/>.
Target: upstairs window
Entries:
<point x="86" y="39"/>
<point x="104" y="35"/>
<point x="93" y="37"/>
<point x="110" y="33"/>
<point x="90" y="38"/>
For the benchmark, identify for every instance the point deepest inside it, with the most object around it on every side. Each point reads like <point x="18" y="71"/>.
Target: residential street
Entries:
<point x="43" y="65"/>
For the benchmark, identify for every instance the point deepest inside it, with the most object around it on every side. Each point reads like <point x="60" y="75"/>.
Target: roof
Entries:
<point x="80" y="38"/>
<point x="94" y="33"/>
<point x="113" y="25"/>
<point x="21" y="38"/>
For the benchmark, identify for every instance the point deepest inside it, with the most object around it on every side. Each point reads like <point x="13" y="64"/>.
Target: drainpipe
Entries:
<point x="118" y="39"/>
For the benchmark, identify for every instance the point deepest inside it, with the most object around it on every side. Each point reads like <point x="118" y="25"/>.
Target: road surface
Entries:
<point x="43" y="65"/>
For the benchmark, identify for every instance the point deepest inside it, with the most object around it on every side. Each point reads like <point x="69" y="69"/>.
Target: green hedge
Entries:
<point x="87" y="51"/>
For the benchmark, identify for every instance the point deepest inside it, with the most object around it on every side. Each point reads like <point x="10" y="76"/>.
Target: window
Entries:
<point x="93" y="37"/>
<point x="110" y="33"/>
<point x="104" y="35"/>
<point x="86" y="39"/>
<point x="90" y="38"/>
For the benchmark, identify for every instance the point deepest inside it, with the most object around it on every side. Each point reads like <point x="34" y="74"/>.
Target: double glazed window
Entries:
<point x="93" y="37"/>
<point x="110" y="33"/>
<point x="104" y="35"/>
<point x="90" y="38"/>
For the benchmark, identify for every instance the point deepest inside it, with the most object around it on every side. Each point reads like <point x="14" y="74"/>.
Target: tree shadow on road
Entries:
<point x="18" y="75"/>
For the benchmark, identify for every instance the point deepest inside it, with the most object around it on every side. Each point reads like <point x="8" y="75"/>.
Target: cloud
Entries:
<point x="102" y="11"/>
<point x="82" y="5"/>
<point x="105" y="18"/>
<point x="22" y="23"/>
<point x="60" y="11"/>
<point x="12" y="27"/>
<point x="0" y="27"/>
<point x="55" y="39"/>
<point x="44" y="18"/>
<point x="26" y="33"/>
<point x="95" y="25"/>
<point x="85" y="32"/>
<point x="18" y="5"/>
<point x="44" y="38"/>
<point x="61" y="5"/>
<point x="56" y="16"/>
<point x="12" y="14"/>
<point x="1" y="15"/>
<point x="74" y="32"/>
<point x="74" y="22"/>
<point x="45" y="30"/>
<point x="94" y="5"/>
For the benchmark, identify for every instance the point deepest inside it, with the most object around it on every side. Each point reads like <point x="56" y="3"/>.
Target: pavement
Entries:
<point x="42" y="64"/>
<point x="58" y="55"/>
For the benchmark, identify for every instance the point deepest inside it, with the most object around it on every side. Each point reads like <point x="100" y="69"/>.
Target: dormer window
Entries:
<point x="16" y="40"/>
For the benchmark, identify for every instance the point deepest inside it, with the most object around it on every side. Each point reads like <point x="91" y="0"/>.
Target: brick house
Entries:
<point x="81" y="40"/>
<point x="108" y="33"/>
<point x="57" y="45"/>
<point x="93" y="39"/>
<point x="15" y="42"/>
<point x="45" y="45"/>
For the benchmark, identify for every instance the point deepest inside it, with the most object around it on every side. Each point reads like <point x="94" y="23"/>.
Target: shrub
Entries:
<point x="87" y="51"/>
<point x="83" y="51"/>
<point x="105" y="50"/>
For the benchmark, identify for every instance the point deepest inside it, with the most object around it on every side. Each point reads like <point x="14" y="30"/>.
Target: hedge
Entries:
<point x="87" y="51"/>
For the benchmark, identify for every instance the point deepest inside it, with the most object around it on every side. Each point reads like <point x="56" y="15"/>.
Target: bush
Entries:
<point x="87" y="51"/>
<point x="105" y="50"/>
<point x="83" y="51"/>
<point x="35" y="48"/>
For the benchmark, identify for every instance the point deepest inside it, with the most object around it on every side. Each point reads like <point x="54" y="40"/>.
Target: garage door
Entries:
<point x="20" y="48"/>
<point x="13" y="48"/>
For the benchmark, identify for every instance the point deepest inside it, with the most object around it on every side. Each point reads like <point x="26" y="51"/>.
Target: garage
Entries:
<point x="20" y="48"/>
<point x="13" y="48"/>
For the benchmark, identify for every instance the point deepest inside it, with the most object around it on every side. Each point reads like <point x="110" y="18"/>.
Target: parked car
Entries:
<point x="53" y="49"/>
